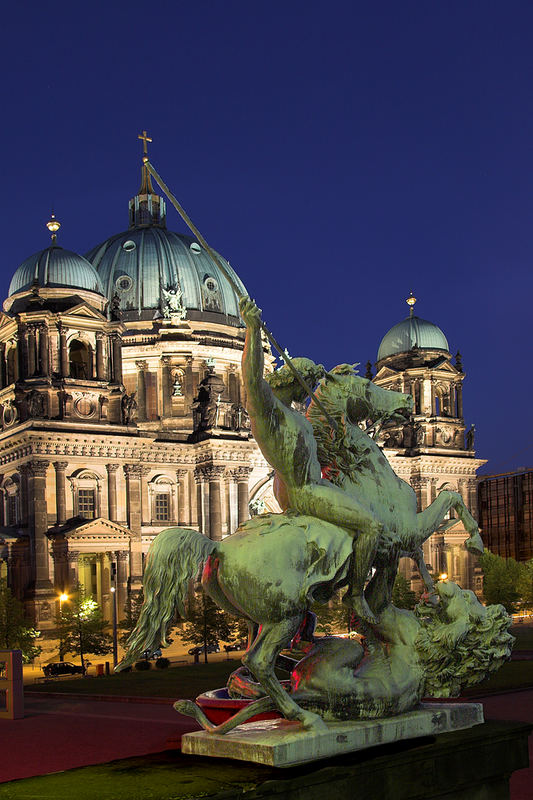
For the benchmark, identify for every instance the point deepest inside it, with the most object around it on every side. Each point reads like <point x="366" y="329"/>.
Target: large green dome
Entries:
<point x="141" y="263"/>
<point x="412" y="333"/>
<point x="55" y="267"/>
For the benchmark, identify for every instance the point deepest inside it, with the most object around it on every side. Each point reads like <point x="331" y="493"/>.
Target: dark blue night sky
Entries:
<point x="338" y="154"/>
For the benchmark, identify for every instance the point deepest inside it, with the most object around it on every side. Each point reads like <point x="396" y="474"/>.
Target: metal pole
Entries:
<point x="188" y="221"/>
<point x="114" y="594"/>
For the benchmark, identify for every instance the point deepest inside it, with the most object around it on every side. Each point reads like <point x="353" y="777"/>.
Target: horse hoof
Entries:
<point x="186" y="707"/>
<point x="312" y="722"/>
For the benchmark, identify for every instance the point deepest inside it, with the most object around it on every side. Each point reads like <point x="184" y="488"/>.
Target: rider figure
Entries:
<point x="285" y="437"/>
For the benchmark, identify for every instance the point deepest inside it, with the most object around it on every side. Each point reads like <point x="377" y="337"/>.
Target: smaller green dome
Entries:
<point x="56" y="267"/>
<point x="412" y="333"/>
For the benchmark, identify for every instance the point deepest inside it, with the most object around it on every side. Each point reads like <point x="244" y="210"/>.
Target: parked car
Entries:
<point x="62" y="668"/>
<point x="152" y="654"/>
<point x="229" y="648"/>
<point x="211" y="648"/>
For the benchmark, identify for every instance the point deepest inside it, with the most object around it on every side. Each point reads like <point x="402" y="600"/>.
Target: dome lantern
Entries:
<point x="146" y="208"/>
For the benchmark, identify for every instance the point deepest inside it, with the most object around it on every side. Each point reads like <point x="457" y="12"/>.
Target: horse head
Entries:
<point x="360" y="399"/>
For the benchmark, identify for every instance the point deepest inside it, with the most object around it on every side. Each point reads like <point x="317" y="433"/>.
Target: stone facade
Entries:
<point x="432" y="452"/>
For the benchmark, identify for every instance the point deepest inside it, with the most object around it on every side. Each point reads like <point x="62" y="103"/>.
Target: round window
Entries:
<point x="124" y="283"/>
<point x="129" y="246"/>
<point x="210" y="284"/>
<point x="195" y="248"/>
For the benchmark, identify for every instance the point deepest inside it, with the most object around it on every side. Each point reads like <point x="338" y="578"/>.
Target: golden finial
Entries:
<point x="53" y="226"/>
<point x="411" y="300"/>
<point x="145" y="139"/>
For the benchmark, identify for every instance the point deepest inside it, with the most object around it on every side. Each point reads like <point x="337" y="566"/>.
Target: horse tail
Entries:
<point x="174" y="559"/>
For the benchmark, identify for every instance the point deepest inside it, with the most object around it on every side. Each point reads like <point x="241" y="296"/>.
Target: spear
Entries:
<point x="237" y="289"/>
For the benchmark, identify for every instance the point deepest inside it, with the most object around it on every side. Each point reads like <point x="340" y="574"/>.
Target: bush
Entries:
<point x="142" y="665"/>
<point x="162" y="663"/>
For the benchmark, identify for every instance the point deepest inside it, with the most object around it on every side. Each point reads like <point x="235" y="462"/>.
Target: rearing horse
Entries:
<point x="356" y="464"/>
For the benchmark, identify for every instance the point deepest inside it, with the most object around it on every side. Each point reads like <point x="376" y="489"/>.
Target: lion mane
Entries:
<point x="461" y="642"/>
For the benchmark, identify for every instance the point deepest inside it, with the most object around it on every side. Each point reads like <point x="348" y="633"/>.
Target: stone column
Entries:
<point x="61" y="502"/>
<point x="188" y="390"/>
<point x="3" y="366"/>
<point x="39" y="523"/>
<point x="112" y="510"/>
<point x="44" y="355"/>
<point x="133" y="474"/>
<point x="165" y="386"/>
<point x="199" y="479"/>
<point x="63" y="353"/>
<point x="22" y="350"/>
<point x="73" y="573"/>
<point x="471" y="492"/>
<point x="417" y="482"/>
<point x="142" y="366"/>
<point x="32" y="361"/>
<point x="100" y="365"/>
<point x="243" y="496"/>
<point x="184" y="512"/>
<point x="146" y="510"/>
<point x="452" y="400"/>
<point x="117" y="358"/>
<point x="460" y="400"/>
<point x="214" y="474"/>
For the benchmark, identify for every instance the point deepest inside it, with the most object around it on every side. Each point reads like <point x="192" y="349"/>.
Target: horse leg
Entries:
<point x="260" y="660"/>
<point x="429" y="520"/>
<point x="364" y="551"/>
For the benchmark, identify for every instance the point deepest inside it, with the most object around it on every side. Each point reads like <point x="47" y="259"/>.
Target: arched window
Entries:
<point x="162" y="501"/>
<point x="86" y="490"/>
<point x="11" y="491"/>
<point x="80" y="360"/>
<point x="12" y="364"/>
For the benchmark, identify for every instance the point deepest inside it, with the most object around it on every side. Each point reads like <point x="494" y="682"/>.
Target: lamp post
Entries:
<point x="114" y="601"/>
<point x="62" y="599"/>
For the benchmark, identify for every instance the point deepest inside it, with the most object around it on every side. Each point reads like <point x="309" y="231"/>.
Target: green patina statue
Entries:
<point x="347" y="516"/>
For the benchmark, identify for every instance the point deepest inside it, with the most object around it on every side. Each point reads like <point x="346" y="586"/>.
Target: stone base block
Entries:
<point x="280" y="743"/>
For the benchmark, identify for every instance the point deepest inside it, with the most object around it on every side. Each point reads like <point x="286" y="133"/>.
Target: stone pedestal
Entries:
<point x="472" y="764"/>
<point x="281" y="743"/>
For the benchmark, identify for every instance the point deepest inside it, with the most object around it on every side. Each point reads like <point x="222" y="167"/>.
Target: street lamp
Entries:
<point x="114" y="601"/>
<point x="62" y="599"/>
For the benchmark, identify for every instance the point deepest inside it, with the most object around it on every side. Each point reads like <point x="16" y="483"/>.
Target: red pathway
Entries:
<point x="60" y="733"/>
<point x="516" y="706"/>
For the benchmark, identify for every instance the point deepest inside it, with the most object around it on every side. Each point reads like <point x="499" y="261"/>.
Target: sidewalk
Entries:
<point x="62" y="733"/>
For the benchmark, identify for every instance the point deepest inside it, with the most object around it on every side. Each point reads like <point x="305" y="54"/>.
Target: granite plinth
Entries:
<point x="281" y="743"/>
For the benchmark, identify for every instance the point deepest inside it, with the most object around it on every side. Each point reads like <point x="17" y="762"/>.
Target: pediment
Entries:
<point x="83" y="310"/>
<point x="444" y="365"/>
<point x="99" y="528"/>
<point x="386" y="372"/>
<point x="451" y="526"/>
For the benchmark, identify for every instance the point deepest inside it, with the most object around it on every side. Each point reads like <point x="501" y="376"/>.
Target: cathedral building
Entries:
<point x="121" y="409"/>
<point x="121" y="413"/>
<point x="432" y="451"/>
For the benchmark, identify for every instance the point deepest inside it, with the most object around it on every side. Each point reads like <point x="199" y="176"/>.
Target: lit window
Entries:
<point x="162" y="507"/>
<point x="86" y="503"/>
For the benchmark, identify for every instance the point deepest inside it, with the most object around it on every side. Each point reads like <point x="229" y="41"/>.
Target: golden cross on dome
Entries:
<point x="145" y="139"/>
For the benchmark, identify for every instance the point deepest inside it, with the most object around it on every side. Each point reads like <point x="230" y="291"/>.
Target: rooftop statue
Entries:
<point x="346" y="516"/>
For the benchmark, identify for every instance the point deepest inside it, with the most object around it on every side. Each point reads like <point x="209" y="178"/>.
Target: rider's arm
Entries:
<point x="259" y="397"/>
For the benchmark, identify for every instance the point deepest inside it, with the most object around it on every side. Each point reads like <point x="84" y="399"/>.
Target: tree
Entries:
<point x="501" y="582"/>
<point x="132" y="609"/>
<point x="81" y="627"/>
<point x="16" y="632"/>
<point x="525" y="586"/>
<point x="333" y="617"/>
<point x="402" y="594"/>
<point x="206" y="624"/>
